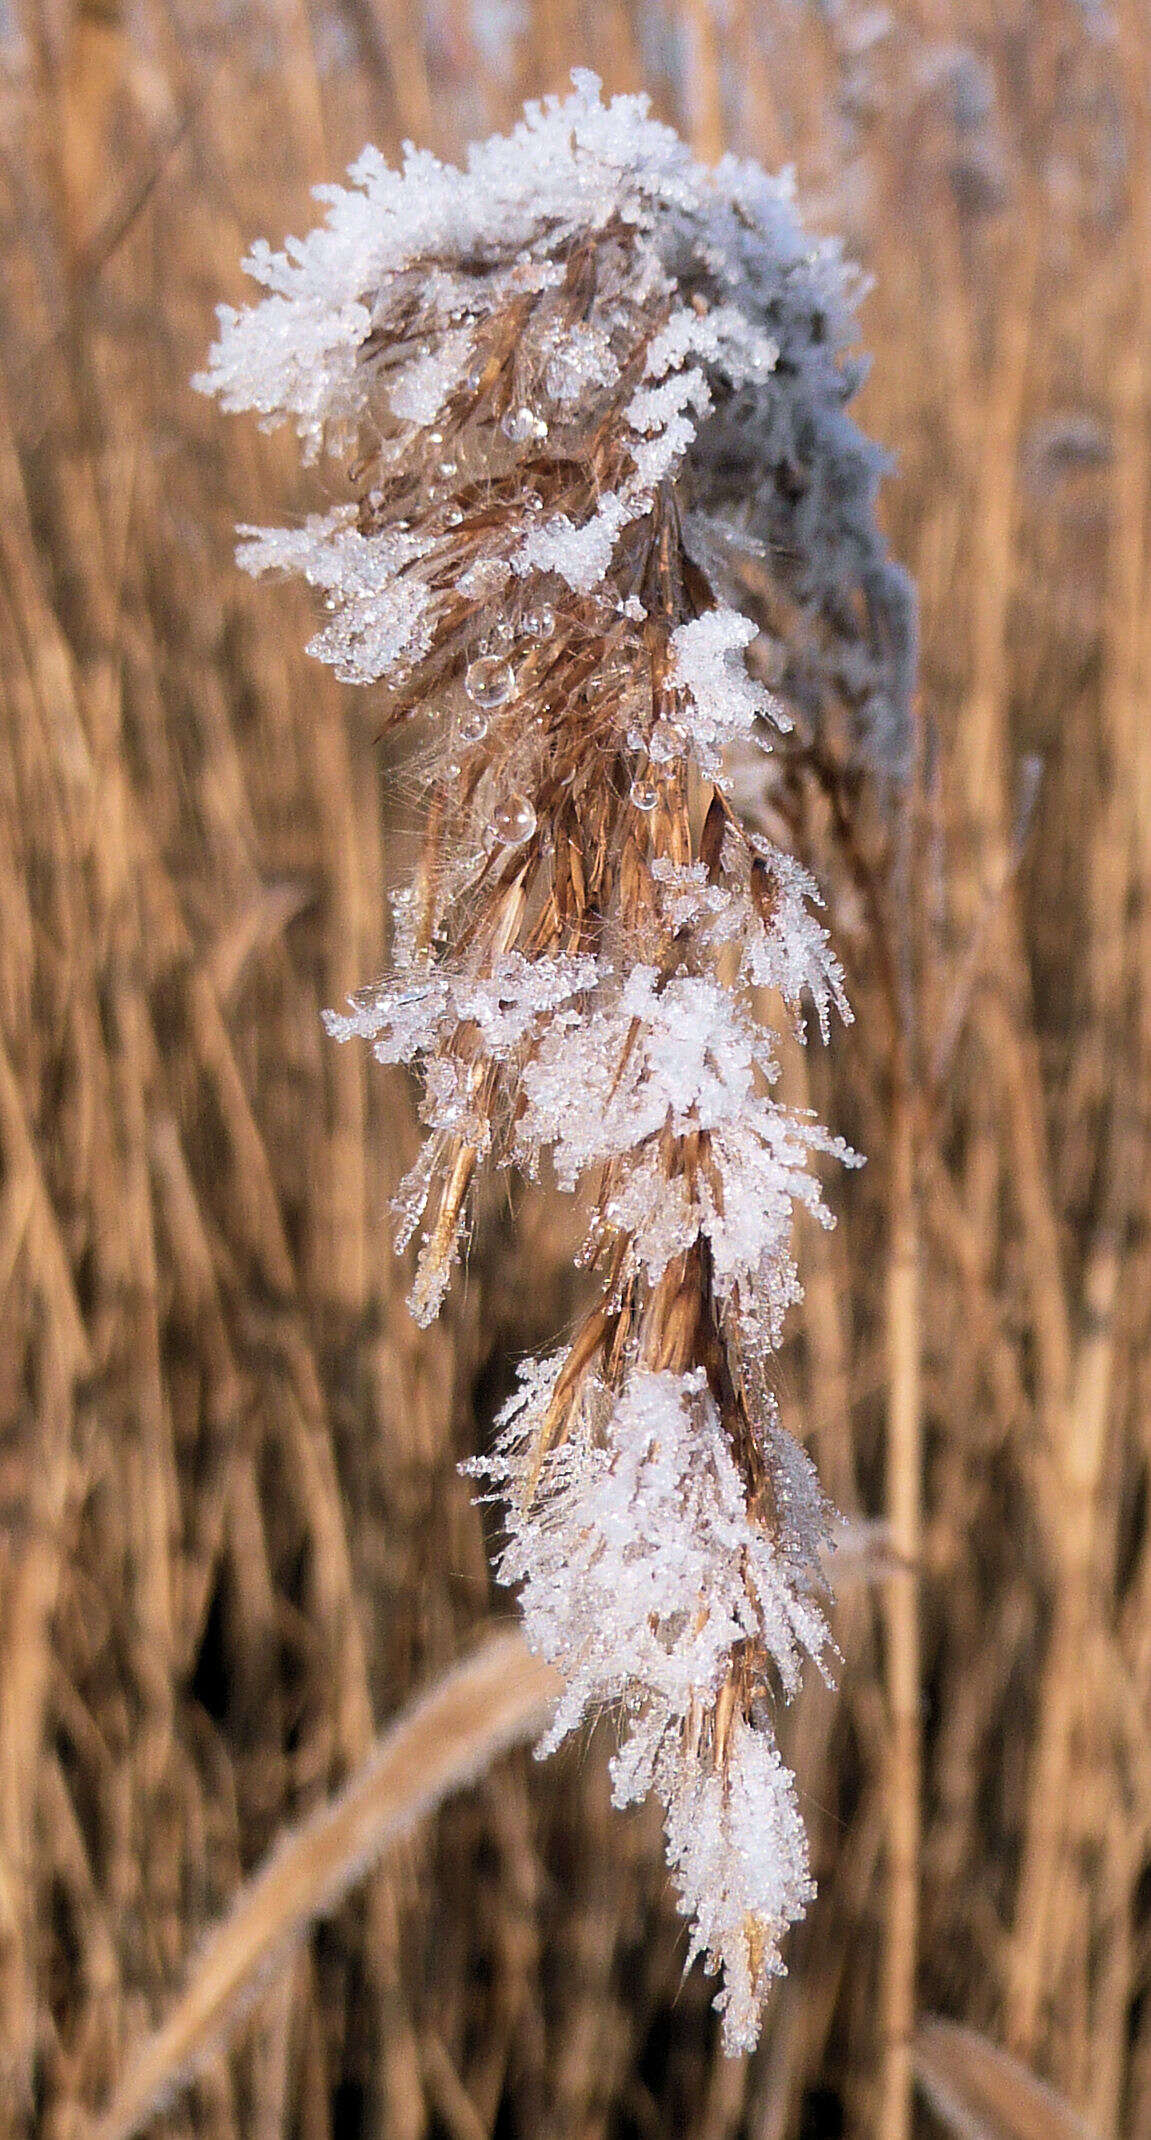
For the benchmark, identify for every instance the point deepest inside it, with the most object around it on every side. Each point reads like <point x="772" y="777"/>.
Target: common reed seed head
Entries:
<point x="591" y="401"/>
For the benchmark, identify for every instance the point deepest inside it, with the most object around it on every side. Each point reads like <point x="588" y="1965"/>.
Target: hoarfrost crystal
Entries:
<point x="591" y="399"/>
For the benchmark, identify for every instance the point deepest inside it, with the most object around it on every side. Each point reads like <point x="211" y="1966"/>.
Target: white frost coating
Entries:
<point x="759" y="1174"/>
<point x="709" y="667"/>
<point x="664" y="429"/>
<point x="663" y="432"/>
<point x="570" y="166"/>
<point x="301" y="360"/>
<point x="724" y="335"/>
<point x="582" y="357"/>
<point x="384" y="608"/>
<point x="658" y="457"/>
<point x="679" y="1059"/>
<point x="738" y="1847"/>
<point x="641" y="1570"/>
<point x="615" y="1084"/>
<point x="792" y="955"/>
<point x="652" y="408"/>
<point x="330" y="551"/>
<point x="683" y="1058"/>
<point x="411" y="1015"/>
<point x="580" y="554"/>
<point x="457" y="1025"/>
<point x="660" y="1214"/>
<point x="718" y="275"/>
<point x="795" y="953"/>
<point x="420" y="391"/>
<point x="639" y="1564"/>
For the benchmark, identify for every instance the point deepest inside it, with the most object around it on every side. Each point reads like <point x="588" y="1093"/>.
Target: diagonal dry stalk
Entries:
<point x="974" y="2087"/>
<point x="498" y="1698"/>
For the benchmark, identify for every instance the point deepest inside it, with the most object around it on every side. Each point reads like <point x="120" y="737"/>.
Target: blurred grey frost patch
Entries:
<point x="498" y="26"/>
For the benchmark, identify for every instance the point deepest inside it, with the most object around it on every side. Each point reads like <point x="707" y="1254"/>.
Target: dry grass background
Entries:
<point x="233" y="1541"/>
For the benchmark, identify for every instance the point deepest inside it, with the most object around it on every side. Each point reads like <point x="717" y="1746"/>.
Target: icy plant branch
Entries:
<point x="601" y="483"/>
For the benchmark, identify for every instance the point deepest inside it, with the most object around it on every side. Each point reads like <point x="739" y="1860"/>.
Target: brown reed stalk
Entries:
<point x="901" y="1608"/>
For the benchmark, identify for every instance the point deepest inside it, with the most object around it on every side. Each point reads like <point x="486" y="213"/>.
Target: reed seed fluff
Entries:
<point x="593" y="401"/>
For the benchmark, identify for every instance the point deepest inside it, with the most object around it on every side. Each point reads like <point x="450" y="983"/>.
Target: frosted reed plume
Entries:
<point x="591" y="401"/>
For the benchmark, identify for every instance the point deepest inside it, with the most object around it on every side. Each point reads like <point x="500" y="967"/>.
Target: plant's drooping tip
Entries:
<point x="602" y="483"/>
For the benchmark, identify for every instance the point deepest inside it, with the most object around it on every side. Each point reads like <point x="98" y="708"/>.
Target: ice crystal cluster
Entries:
<point x="599" y="484"/>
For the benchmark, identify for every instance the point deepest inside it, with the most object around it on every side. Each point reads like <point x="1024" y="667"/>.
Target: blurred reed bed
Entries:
<point x="234" y="1540"/>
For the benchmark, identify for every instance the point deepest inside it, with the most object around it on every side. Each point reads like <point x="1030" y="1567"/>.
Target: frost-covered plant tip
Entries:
<point x="591" y="395"/>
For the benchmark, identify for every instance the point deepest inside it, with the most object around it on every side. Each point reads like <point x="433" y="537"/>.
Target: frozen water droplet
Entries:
<point x="520" y="425"/>
<point x="513" y="820"/>
<point x="453" y="769"/>
<point x="643" y="795"/>
<point x="448" y="468"/>
<point x="484" y="579"/>
<point x="488" y="680"/>
<point x="540" y="623"/>
<point x="454" y="517"/>
<point x="665" y="743"/>
<point x="474" y="727"/>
